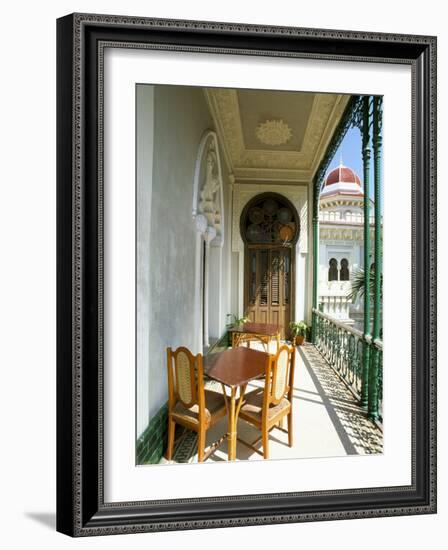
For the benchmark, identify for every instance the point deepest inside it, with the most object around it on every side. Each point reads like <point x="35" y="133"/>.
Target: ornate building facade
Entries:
<point x="341" y="220"/>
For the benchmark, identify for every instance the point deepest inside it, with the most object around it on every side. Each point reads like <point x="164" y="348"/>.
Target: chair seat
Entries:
<point x="253" y="406"/>
<point x="214" y="407"/>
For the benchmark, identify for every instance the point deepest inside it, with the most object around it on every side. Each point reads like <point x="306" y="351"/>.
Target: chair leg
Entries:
<point x="290" y="429"/>
<point x="171" y="430"/>
<point x="265" y="440"/>
<point x="201" y="445"/>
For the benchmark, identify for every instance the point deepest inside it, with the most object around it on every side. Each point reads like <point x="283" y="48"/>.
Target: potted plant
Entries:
<point x="298" y="332"/>
<point x="236" y="322"/>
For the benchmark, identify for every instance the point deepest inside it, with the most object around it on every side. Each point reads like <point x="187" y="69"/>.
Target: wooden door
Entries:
<point x="268" y="285"/>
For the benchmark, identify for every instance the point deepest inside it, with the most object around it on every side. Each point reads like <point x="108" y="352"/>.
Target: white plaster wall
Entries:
<point x="301" y="286"/>
<point x="226" y="273"/>
<point x="167" y="268"/>
<point x="145" y="144"/>
<point x="234" y="298"/>
<point x="169" y="307"/>
<point x="309" y="266"/>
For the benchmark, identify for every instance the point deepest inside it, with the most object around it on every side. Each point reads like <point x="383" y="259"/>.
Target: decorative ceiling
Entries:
<point x="274" y="136"/>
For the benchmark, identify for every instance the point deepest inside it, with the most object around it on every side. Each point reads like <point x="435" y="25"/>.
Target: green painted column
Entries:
<point x="377" y="150"/>
<point x="366" y="153"/>
<point x="316" y="193"/>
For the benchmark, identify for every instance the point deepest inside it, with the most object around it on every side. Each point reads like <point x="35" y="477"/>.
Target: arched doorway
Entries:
<point x="270" y="228"/>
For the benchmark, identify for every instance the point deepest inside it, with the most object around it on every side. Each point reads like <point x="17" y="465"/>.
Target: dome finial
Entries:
<point x="340" y="160"/>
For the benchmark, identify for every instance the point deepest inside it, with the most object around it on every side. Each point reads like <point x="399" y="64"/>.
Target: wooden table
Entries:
<point x="260" y="331"/>
<point x="234" y="368"/>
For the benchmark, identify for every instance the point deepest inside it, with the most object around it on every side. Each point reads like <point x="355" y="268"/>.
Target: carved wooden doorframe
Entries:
<point x="270" y="227"/>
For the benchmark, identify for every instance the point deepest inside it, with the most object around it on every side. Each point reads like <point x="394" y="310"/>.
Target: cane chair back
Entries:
<point x="185" y="379"/>
<point x="189" y="403"/>
<point x="265" y="408"/>
<point x="279" y="383"/>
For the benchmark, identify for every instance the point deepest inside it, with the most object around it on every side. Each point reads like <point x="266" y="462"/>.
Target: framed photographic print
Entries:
<point x="246" y="274"/>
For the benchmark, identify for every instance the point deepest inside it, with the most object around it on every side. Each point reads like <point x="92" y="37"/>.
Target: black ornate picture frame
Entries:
<point x="81" y="509"/>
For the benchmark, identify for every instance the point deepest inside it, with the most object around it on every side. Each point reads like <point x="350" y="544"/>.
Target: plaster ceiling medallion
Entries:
<point x="273" y="132"/>
<point x="272" y="163"/>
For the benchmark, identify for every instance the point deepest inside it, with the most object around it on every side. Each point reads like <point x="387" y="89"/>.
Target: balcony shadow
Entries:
<point x="350" y="408"/>
<point x="343" y="408"/>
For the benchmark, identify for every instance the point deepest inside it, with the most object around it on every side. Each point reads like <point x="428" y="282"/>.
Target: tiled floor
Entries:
<point x="326" y="418"/>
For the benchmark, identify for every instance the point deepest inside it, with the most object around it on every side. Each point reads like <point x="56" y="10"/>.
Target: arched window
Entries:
<point x="344" y="274"/>
<point x="333" y="270"/>
<point x="269" y="219"/>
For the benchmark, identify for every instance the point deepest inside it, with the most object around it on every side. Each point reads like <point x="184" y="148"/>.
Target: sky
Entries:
<point x="350" y="151"/>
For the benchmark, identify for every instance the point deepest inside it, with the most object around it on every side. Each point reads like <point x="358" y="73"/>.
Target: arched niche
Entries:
<point x="208" y="216"/>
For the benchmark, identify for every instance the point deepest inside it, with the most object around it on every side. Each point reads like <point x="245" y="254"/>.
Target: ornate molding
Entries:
<point x="209" y="234"/>
<point x="339" y="234"/>
<point x="325" y="114"/>
<point x="208" y="203"/>
<point x="273" y="132"/>
<point x="201" y="223"/>
<point x="273" y="175"/>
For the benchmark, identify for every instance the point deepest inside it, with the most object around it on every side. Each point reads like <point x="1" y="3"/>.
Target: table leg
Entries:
<point x="265" y="342"/>
<point x="233" y="410"/>
<point x="231" y="432"/>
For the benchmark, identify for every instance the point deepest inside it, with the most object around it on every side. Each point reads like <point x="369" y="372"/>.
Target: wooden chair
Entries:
<point x="189" y="404"/>
<point x="266" y="407"/>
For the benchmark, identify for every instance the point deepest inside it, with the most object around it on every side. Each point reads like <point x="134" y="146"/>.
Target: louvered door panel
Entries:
<point x="268" y="285"/>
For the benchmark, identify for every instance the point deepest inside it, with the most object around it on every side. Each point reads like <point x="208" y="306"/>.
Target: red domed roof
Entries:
<point x="342" y="174"/>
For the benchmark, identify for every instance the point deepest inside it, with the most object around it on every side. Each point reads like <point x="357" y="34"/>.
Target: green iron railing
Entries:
<point x="379" y="399"/>
<point x="344" y="348"/>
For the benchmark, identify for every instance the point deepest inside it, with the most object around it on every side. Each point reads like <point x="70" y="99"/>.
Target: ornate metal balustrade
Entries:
<point x="344" y="348"/>
<point x="379" y="350"/>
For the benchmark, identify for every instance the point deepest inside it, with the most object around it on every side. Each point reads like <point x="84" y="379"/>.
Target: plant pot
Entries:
<point x="299" y="340"/>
